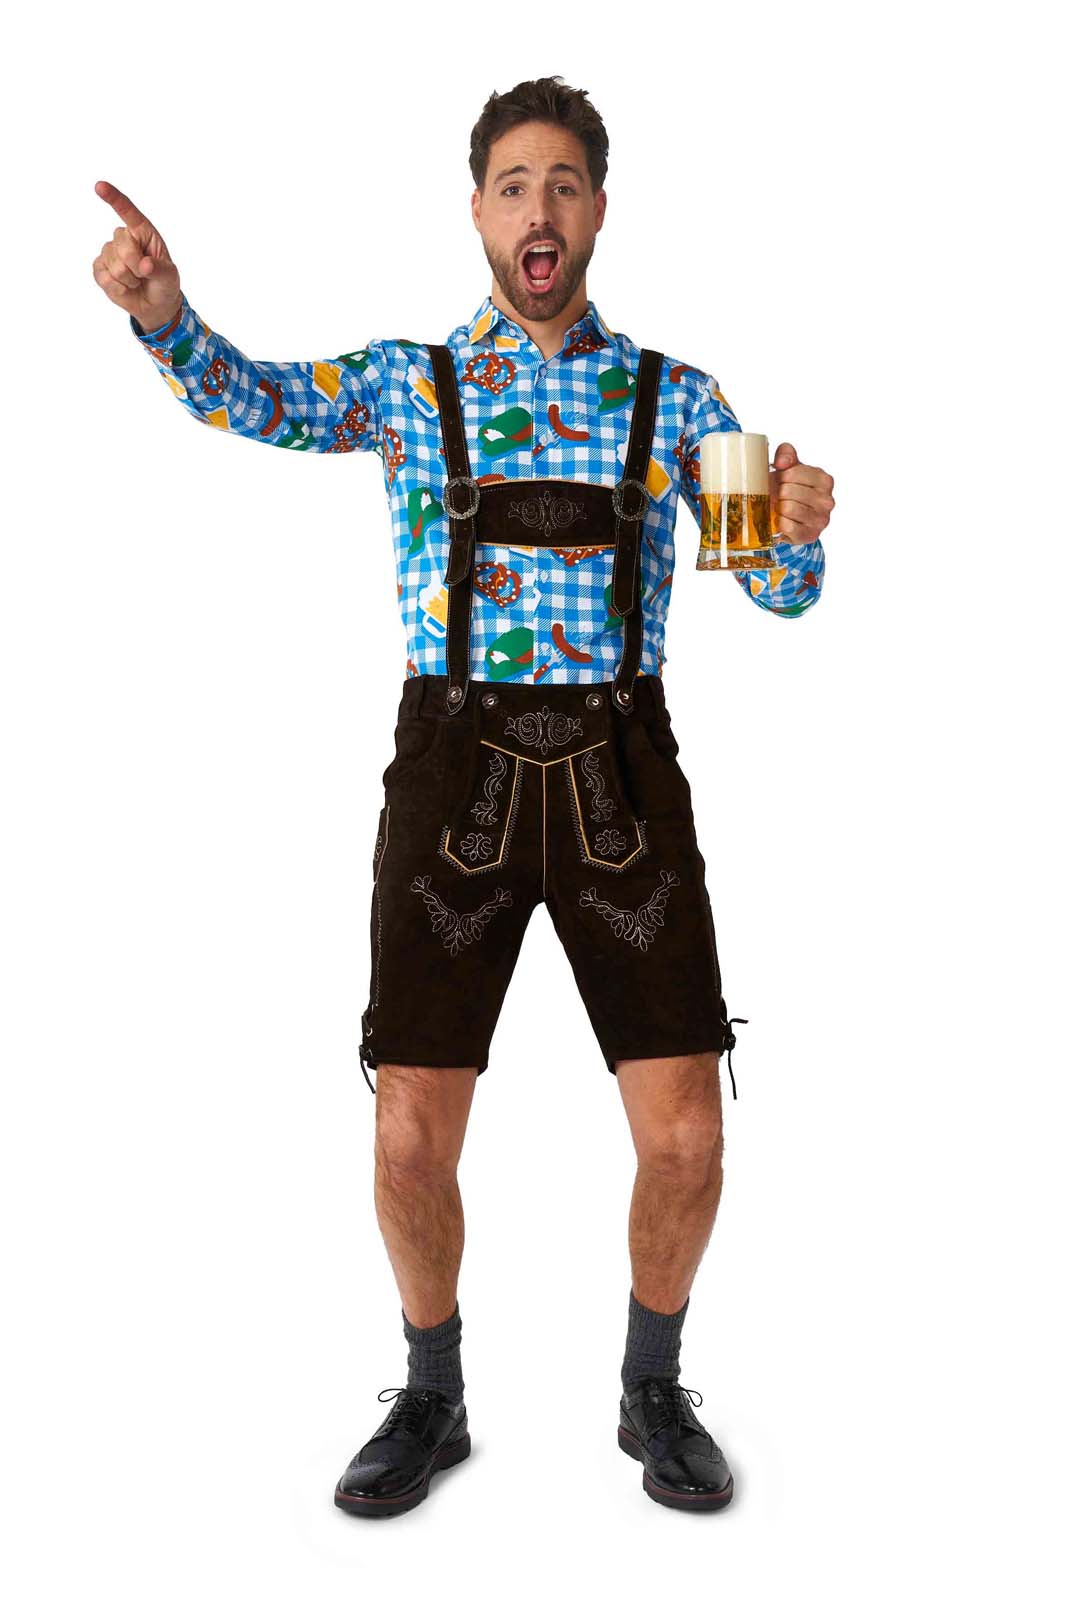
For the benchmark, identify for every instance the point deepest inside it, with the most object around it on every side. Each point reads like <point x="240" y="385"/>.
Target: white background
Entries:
<point x="855" y="221"/>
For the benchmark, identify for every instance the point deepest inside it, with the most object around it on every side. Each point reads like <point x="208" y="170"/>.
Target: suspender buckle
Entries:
<point x="474" y="504"/>
<point x="618" y="498"/>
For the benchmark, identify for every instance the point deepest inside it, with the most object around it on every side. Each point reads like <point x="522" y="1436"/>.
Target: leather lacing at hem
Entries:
<point x="728" y="1045"/>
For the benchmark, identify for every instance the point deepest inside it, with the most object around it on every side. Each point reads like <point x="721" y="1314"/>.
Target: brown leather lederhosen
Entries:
<point x="446" y="781"/>
<point x="545" y="513"/>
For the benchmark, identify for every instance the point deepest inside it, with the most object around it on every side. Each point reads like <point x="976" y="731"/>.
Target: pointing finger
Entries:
<point x="122" y="204"/>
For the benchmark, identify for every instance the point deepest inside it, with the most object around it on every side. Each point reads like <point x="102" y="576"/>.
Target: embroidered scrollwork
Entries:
<point x="610" y="841"/>
<point x="485" y="808"/>
<point x="476" y="846"/>
<point x="603" y="803"/>
<point x="459" y="928"/>
<point x="543" y="728"/>
<point x="546" y="513"/>
<point x="473" y="851"/>
<point x="637" y="926"/>
<point x="619" y="843"/>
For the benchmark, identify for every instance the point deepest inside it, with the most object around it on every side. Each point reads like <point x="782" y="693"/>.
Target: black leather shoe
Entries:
<point x="684" y="1467"/>
<point x="422" y="1432"/>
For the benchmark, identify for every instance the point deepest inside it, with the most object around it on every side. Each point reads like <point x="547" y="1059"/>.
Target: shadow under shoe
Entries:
<point x="684" y="1467"/>
<point x="422" y="1432"/>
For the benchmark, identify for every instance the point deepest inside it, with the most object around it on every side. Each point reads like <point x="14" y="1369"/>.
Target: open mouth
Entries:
<point x="541" y="264"/>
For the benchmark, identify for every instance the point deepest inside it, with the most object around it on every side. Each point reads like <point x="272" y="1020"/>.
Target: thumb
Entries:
<point x="785" y="456"/>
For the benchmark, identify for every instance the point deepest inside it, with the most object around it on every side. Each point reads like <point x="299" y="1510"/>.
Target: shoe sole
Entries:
<point x="694" y="1502"/>
<point x="376" y="1507"/>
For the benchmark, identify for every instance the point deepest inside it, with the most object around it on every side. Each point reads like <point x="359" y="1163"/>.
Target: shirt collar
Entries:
<point x="490" y="321"/>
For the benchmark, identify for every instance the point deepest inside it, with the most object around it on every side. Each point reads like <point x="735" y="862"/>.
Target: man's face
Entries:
<point x="537" y="190"/>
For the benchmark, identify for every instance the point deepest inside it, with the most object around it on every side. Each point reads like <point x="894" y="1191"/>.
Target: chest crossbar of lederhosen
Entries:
<point x="547" y="512"/>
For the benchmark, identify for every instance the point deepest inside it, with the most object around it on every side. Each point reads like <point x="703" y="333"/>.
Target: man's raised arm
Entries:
<point x="321" y="405"/>
<point x="793" y="584"/>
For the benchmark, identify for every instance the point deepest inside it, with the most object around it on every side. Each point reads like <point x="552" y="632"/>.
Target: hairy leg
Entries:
<point x="673" y="1106"/>
<point x="421" y="1114"/>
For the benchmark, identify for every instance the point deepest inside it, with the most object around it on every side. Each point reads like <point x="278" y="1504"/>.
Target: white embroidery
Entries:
<point x="458" y="928"/>
<point x="610" y="841"/>
<point x="594" y="779"/>
<point x="543" y="728"/>
<point x="479" y="846"/>
<point x="484" y="809"/>
<point x="638" y="926"/>
<point x="475" y="846"/>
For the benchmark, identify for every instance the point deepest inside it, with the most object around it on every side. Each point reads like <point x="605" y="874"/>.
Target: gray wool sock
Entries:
<point x="435" y="1356"/>
<point x="652" y="1343"/>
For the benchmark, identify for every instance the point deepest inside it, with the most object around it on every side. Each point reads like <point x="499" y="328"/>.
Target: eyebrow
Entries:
<point x="556" y="167"/>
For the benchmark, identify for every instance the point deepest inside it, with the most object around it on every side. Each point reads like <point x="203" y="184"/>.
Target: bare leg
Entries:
<point x="420" y="1117"/>
<point x="673" y="1105"/>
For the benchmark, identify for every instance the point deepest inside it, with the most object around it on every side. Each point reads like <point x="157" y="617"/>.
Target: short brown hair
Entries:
<point x="543" y="100"/>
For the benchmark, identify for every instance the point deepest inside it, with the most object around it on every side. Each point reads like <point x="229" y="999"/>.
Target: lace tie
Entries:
<point x="670" y="1394"/>
<point x="729" y="1046"/>
<point x="411" y="1408"/>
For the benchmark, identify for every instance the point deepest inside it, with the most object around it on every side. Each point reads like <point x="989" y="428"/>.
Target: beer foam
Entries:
<point x="734" y="460"/>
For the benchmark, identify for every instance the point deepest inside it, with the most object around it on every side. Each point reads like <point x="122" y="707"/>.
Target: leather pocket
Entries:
<point x="660" y="737"/>
<point x="381" y="837"/>
<point x="415" y="740"/>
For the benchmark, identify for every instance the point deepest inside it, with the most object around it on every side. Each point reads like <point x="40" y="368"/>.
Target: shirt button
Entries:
<point x="541" y="371"/>
<point x="544" y="575"/>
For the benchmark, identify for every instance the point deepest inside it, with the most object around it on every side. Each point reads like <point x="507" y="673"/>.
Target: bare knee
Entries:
<point x="676" y="1117"/>
<point x="420" y="1118"/>
<point x="688" y="1146"/>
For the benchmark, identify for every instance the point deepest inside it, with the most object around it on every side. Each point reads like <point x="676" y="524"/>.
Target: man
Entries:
<point x="532" y="465"/>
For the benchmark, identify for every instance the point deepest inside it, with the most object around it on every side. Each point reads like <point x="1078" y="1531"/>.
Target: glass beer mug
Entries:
<point x="736" y="531"/>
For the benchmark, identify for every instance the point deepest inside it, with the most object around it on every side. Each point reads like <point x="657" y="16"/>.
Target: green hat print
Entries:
<point x="510" y="654"/>
<point x="357" y="361"/>
<point x="509" y="432"/>
<point x="298" y="436"/>
<point x="423" y="507"/>
<point x="616" y="388"/>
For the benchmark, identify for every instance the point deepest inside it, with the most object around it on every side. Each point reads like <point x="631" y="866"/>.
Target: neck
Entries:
<point x="549" y="333"/>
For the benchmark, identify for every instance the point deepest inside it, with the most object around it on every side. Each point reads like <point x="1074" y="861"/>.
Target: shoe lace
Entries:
<point x="670" y="1403"/>
<point x="411" y="1409"/>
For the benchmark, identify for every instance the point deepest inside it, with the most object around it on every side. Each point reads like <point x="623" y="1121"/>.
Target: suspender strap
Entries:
<point x="461" y="500"/>
<point x="630" y="503"/>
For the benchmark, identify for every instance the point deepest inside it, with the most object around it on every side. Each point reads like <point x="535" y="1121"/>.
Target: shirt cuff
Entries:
<point x="181" y="326"/>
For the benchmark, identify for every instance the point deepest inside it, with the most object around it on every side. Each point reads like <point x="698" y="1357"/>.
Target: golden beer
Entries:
<point x="736" y="531"/>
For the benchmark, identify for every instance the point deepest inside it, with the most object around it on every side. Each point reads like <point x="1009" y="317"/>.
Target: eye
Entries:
<point x="510" y="187"/>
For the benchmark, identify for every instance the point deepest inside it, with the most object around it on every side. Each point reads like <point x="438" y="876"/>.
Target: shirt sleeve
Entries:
<point x="793" y="584"/>
<point x="323" y="405"/>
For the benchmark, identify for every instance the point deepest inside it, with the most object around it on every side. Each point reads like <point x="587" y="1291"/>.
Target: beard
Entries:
<point x="536" y="306"/>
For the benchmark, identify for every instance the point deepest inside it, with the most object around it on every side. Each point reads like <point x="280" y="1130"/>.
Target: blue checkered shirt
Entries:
<point x="538" y="614"/>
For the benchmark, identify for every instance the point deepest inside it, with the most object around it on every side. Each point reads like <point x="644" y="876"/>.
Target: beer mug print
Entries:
<point x="434" y="602"/>
<point x="735" y="528"/>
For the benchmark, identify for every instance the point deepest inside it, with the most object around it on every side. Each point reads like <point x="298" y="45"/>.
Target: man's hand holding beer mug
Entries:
<point x="747" y="504"/>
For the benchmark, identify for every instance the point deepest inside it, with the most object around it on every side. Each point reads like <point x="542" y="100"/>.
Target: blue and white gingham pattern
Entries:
<point x="535" y="615"/>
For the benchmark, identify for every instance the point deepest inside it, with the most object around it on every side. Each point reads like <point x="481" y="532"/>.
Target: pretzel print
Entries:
<point x="394" y="454"/>
<point x="501" y="586"/>
<point x="574" y="555"/>
<point x="491" y="371"/>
